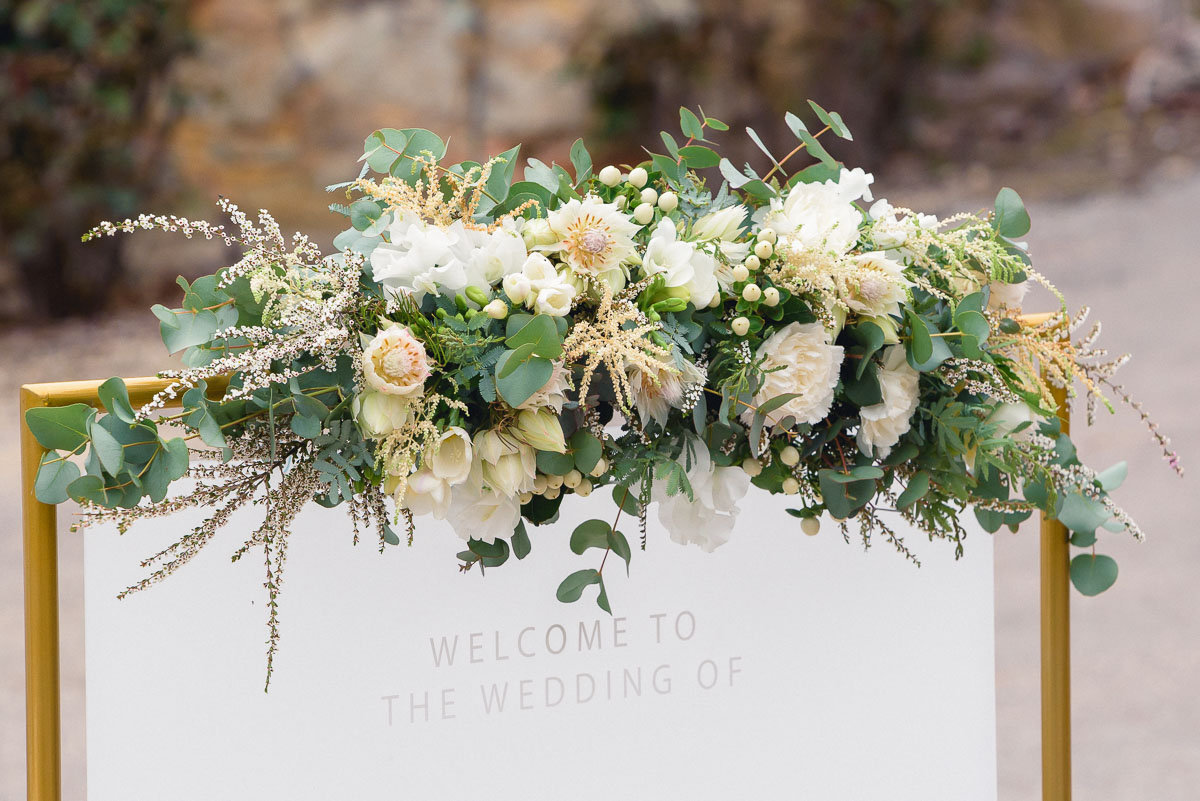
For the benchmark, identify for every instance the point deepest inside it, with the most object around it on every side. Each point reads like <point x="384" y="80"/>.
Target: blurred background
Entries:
<point x="1089" y="108"/>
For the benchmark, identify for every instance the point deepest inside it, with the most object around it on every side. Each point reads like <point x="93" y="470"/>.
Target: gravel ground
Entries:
<point x="1136" y="648"/>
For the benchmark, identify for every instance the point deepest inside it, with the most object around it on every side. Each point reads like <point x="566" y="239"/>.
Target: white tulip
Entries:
<point x="378" y="413"/>
<point x="451" y="461"/>
<point x="517" y="286"/>
<point x="496" y="309"/>
<point x="555" y="300"/>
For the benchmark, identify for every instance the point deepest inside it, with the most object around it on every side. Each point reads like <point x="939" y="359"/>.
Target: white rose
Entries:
<point x="821" y="216"/>
<point x="379" y="413"/>
<point x="427" y="495"/>
<point x="451" y="461"/>
<point x="885" y="422"/>
<point x="482" y="514"/>
<point x="708" y="520"/>
<point x="810" y="368"/>
<point x="725" y="224"/>
<point x="394" y="362"/>
<point x="518" y="287"/>
<point x="555" y="300"/>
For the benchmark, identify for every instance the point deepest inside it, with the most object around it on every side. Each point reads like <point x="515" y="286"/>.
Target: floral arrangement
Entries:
<point x="484" y="345"/>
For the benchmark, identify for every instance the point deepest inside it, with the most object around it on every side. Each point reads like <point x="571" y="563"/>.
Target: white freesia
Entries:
<point x="452" y="457"/>
<point x="379" y="413"/>
<point x="877" y="287"/>
<point x="803" y="362"/>
<point x="518" y="287"/>
<point x="427" y="494"/>
<point x="540" y="271"/>
<point x="506" y="465"/>
<point x="656" y="394"/>
<point x="725" y="224"/>
<point x="681" y="264"/>
<point x="885" y="422"/>
<point x="707" y="519"/>
<point x="594" y="236"/>
<point x="479" y="513"/>
<point x="421" y="258"/>
<point x="821" y="216"/>
<point x="555" y="300"/>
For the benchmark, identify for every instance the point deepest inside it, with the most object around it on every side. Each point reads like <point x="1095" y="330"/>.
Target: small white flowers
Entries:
<point x="885" y="422"/>
<point x="395" y="363"/>
<point x="798" y="359"/>
<point x="540" y="287"/>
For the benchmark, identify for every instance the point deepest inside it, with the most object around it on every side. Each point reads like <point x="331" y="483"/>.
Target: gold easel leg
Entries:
<point x="1056" y="650"/>
<point x="42" y="721"/>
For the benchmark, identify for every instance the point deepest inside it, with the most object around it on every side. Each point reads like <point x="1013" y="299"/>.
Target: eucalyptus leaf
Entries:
<point x="60" y="428"/>
<point x="1092" y="574"/>
<point x="54" y="475"/>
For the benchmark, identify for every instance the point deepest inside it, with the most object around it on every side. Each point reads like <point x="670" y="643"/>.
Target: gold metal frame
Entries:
<point x="42" y="689"/>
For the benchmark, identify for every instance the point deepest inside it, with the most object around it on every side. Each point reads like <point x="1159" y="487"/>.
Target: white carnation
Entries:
<point x="821" y="216"/>
<point x="885" y="422"/>
<point x="803" y="362"/>
<point x="708" y="519"/>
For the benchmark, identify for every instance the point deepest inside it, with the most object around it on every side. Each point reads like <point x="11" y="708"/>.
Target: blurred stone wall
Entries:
<point x="281" y="93"/>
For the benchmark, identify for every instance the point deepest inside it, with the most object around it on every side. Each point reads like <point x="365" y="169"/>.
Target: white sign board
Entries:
<point x="779" y="666"/>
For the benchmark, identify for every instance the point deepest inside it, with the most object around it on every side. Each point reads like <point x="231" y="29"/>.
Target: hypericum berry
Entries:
<point x="790" y="486"/>
<point x="789" y="456"/>
<point x="764" y="250"/>
<point x="638" y="177"/>
<point x="751" y="293"/>
<point x="600" y="469"/>
<point x="740" y="273"/>
<point x="584" y="488"/>
<point x="610" y="176"/>
<point x="668" y="201"/>
<point x="740" y="326"/>
<point x="752" y="466"/>
<point x="810" y="526"/>
<point x="752" y="262"/>
<point x="771" y="296"/>
<point x="644" y="213"/>
<point x="767" y="235"/>
<point x="572" y="479"/>
<point x="650" y="195"/>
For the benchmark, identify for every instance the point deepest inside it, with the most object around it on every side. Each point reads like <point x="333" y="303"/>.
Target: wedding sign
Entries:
<point x="834" y="674"/>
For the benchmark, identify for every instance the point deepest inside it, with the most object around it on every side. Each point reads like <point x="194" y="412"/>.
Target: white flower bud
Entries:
<point x="740" y="326"/>
<point x="540" y="428"/>
<point x="752" y="467"/>
<point x="584" y="488"/>
<point x="789" y="456"/>
<point x="496" y="309"/>
<point x="610" y="176"/>
<point x="517" y="286"/>
<point x="751" y="293"/>
<point x="650" y="195"/>
<point x="764" y="250"/>
<point x="790" y="486"/>
<point x="771" y="296"/>
<point x="600" y="469"/>
<point x="740" y="273"/>
<point x="638" y="177"/>
<point x="752" y="262"/>
<point x="668" y="201"/>
<point x="810" y="526"/>
<point x="572" y="478"/>
<point x="767" y="235"/>
<point x="644" y="213"/>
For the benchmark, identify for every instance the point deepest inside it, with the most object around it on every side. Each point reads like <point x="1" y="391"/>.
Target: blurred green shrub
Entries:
<point x="85" y="113"/>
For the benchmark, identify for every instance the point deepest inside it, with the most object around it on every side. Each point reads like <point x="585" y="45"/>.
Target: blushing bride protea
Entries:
<point x="395" y="363"/>
<point x="594" y="237"/>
